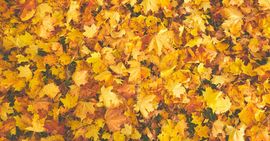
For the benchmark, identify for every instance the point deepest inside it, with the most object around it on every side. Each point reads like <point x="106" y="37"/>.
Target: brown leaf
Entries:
<point x="6" y="126"/>
<point x="89" y="89"/>
<point x="126" y="90"/>
<point x="115" y="118"/>
<point x="52" y="126"/>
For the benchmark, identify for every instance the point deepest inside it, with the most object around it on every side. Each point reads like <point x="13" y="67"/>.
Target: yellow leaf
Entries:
<point x="146" y="104"/>
<point x="178" y="90"/>
<point x="135" y="135"/>
<point x="90" y="32"/>
<point x="171" y="131"/>
<point x="222" y="105"/>
<point x="114" y="18"/>
<point x="70" y="101"/>
<point x="84" y="108"/>
<point x="5" y="110"/>
<point x="117" y="136"/>
<point x="194" y="42"/>
<point x="92" y="132"/>
<point x="80" y="77"/>
<point x="150" y="5"/>
<point x="236" y="134"/>
<point x="235" y="67"/>
<point x="217" y="128"/>
<point x="247" y="115"/>
<point x="134" y="71"/>
<point x="43" y="9"/>
<point x="254" y="45"/>
<point x="127" y="130"/>
<point x="166" y="73"/>
<point x="22" y="58"/>
<point x="265" y="4"/>
<point x="119" y="69"/>
<point x="222" y="46"/>
<point x="50" y="89"/>
<point x="104" y="76"/>
<point x="37" y="124"/>
<point x="24" y="40"/>
<point x="95" y="57"/>
<point x="73" y="12"/>
<point x="234" y="21"/>
<point x="221" y="79"/>
<point x="46" y="27"/>
<point x="163" y="40"/>
<point x="202" y="131"/>
<point x="215" y="100"/>
<point x="53" y="138"/>
<point x="25" y="72"/>
<point x="106" y="135"/>
<point x="109" y="98"/>
<point x="204" y="72"/>
<point x="236" y="2"/>
<point x="169" y="60"/>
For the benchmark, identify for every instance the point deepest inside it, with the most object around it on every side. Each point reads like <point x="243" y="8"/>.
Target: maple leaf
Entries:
<point x="50" y="89"/>
<point x="234" y="2"/>
<point x="115" y="118"/>
<point x="24" y="40"/>
<point x="28" y="10"/>
<point x="6" y="126"/>
<point x="84" y="108"/>
<point x="222" y="79"/>
<point x="109" y="98"/>
<point x="234" y="20"/>
<point x="119" y="69"/>
<point x="236" y="134"/>
<point x="215" y="100"/>
<point x="43" y="9"/>
<point x="25" y="72"/>
<point x="265" y="4"/>
<point x="145" y="104"/>
<point x="204" y="72"/>
<point x="166" y="73"/>
<point x="93" y="132"/>
<point x="118" y="136"/>
<point x="178" y="90"/>
<point x="90" y="32"/>
<point x="163" y="40"/>
<point x="37" y="124"/>
<point x="73" y="12"/>
<point x="152" y="5"/>
<point x="106" y="75"/>
<point x="134" y="71"/>
<point x="247" y="115"/>
<point x="53" y="138"/>
<point x="80" y="77"/>
<point x="172" y="131"/>
<point x="217" y="128"/>
<point x="69" y="101"/>
<point x="126" y="90"/>
<point x="202" y="131"/>
<point x="5" y="110"/>
<point x="47" y="27"/>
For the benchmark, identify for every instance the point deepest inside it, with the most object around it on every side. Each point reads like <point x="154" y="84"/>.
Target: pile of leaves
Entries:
<point x="135" y="70"/>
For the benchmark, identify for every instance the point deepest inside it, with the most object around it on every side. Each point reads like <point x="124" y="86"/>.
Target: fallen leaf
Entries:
<point x="115" y="118"/>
